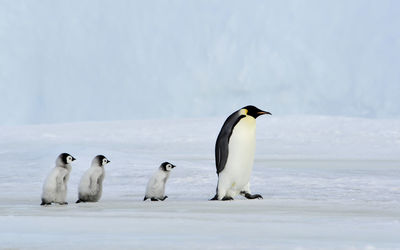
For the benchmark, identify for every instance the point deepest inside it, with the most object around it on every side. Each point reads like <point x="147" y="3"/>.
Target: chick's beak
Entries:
<point x="73" y="158"/>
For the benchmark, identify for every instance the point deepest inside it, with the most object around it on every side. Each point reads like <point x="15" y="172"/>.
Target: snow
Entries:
<point x="149" y="59"/>
<point x="327" y="182"/>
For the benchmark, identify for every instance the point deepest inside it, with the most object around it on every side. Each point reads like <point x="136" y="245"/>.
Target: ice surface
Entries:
<point x="327" y="182"/>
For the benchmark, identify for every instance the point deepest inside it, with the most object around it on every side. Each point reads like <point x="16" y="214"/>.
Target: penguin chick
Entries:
<point x="156" y="186"/>
<point x="91" y="185"/>
<point x="55" y="185"/>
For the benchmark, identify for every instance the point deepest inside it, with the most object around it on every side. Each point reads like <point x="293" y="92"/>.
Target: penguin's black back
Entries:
<point x="221" y="146"/>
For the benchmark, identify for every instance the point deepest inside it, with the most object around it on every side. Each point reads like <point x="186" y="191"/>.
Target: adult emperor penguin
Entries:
<point x="155" y="189"/>
<point x="234" y="154"/>
<point x="55" y="186"/>
<point x="91" y="185"/>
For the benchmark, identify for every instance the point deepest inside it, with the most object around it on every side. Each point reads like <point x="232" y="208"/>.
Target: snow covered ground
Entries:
<point x="327" y="182"/>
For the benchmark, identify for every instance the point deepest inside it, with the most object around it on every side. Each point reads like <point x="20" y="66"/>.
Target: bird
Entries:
<point x="91" y="184"/>
<point x="155" y="189"/>
<point x="234" y="154"/>
<point x="55" y="185"/>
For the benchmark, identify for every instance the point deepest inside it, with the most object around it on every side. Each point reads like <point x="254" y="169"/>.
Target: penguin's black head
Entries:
<point x="65" y="158"/>
<point x="166" y="166"/>
<point x="100" y="160"/>
<point x="253" y="111"/>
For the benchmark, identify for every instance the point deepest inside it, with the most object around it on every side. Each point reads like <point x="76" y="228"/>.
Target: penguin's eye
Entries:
<point x="104" y="161"/>
<point x="69" y="158"/>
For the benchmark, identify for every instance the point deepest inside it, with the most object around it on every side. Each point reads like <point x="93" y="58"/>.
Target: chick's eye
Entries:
<point x="69" y="158"/>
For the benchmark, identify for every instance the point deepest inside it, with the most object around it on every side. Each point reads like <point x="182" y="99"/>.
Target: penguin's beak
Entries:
<point x="108" y="161"/>
<point x="263" y="113"/>
<point x="73" y="158"/>
<point x="173" y="166"/>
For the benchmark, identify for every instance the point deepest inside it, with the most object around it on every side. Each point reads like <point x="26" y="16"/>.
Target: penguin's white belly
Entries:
<point x="155" y="189"/>
<point x="156" y="185"/>
<point x="239" y="165"/>
<point x="91" y="182"/>
<point x="55" y="187"/>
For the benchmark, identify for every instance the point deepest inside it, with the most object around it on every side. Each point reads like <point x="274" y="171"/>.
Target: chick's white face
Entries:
<point x="69" y="159"/>
<point x="169" y="167"/>
<point x="105" y="161"/>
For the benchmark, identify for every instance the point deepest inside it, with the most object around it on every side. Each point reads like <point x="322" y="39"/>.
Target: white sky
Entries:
<point x="65" y="61"/>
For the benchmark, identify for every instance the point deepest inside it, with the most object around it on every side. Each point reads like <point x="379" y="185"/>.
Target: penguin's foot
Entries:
<point x="45" y="203"/>
<point x="154" y="199"/>
<point x="227" y="198"/>
<point x="79" y="201"/>
<point x="63" y="203"/>
<point x="251" y="196"/>
<point x="165" y="197"/>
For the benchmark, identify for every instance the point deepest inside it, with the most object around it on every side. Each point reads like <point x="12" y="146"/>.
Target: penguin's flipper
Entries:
<point x="251" y="196"/>
<point x="221" y="145"/>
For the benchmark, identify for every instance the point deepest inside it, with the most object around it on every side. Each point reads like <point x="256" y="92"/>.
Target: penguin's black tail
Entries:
<point x="214" y="198"/>
<point x="145" y="198"/>
<point x="78" y="201"/>
<point x="44" y="203"/>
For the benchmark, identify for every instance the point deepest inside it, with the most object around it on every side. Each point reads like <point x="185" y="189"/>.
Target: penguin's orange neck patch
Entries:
<point x="244" y="111"/>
